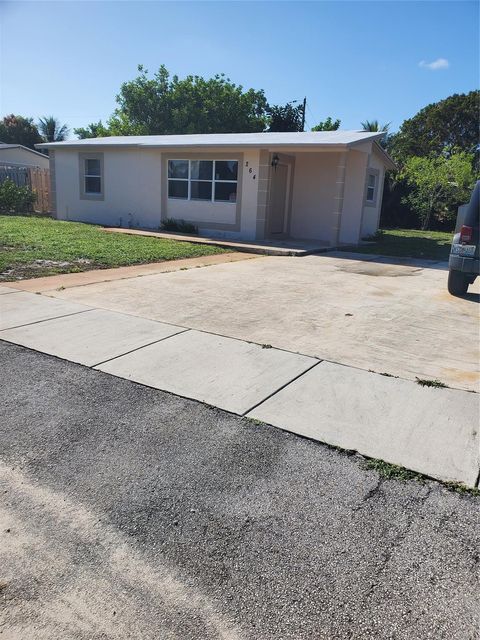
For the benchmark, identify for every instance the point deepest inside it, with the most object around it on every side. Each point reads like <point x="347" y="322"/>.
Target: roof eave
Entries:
<point x="390" y="164"/>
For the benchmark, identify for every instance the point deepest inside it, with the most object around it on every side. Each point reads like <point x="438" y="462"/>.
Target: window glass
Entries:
<point x="226" y="169"/>
<point x="178" y="189"/>
<point x="201" y="170"/>
<point x="371" y="187"/>
<point x="178" y="169"/>
<point x="92" y="167"/>
<point x="200" y="190"/>
<point x="226" y="191"/>
<point x="93" y="184"/>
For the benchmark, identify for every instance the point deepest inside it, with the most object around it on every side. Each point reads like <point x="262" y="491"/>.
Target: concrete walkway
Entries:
<point x="268" y="247"/>
<point x="432" y="431"/>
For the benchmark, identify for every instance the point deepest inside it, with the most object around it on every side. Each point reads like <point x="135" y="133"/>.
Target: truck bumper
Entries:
<point x="466" y="265"/>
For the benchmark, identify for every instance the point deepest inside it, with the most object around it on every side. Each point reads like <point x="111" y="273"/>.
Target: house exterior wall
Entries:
<point x="24" y="157"/>
<point x="351" y="220"/>
<point x="314" y="189"/>
<point x="371" y="214"/>
<point x="135" y="192"/>
<point x="132" y="189"/>
<point x="326" y="200"/>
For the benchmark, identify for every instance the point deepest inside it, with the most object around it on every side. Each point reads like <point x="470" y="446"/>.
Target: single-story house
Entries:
<point x="16" y="155"/>
<point x="323" y="186"/>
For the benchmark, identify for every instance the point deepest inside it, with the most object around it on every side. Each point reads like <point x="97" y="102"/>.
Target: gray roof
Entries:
<point x="303" y="139"/>
<point x="5" y="145"/>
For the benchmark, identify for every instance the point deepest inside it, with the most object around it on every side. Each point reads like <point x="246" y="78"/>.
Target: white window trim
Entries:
<point x="376" y="174"/>
<point x="91" y="195"/>
<point x="189" y="180"/>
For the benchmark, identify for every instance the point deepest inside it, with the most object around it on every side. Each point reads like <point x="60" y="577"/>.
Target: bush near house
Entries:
<point x="15" y="199"/>
<point x="33" y="246"/>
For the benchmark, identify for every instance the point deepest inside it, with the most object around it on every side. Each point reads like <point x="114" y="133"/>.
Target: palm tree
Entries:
<point x="52" y="130"/>
<point x="373" y="125"/>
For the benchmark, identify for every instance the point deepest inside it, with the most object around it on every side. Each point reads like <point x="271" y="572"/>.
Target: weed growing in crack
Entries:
<point x="438" y="384"/>
<point x="391" y="471"/>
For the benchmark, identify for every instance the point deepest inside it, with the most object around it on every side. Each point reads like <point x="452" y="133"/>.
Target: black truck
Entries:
<point x="464" y="263"/>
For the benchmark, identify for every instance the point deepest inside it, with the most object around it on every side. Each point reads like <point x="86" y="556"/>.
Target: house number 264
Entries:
<point x="250" y="170"/>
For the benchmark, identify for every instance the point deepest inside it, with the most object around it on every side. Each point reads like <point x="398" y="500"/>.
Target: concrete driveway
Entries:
<point x="364" y="311"/>
<point x="128" y="512"/>
<point x="229" y="335"/>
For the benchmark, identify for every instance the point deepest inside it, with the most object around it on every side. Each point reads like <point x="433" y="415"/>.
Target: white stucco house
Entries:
<point x="16" y="155"/>
<point x="322" y="186"/>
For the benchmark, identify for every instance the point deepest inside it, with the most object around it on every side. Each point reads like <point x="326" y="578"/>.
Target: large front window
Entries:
<point x="208" y="180"/>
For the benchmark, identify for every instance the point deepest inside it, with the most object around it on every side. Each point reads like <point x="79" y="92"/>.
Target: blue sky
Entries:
<point x="353" y="60"/>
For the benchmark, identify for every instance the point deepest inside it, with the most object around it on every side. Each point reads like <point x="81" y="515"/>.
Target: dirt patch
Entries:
<point x="39" y="268"/>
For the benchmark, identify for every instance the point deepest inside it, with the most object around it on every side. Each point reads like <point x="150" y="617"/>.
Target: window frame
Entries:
<point x="212" y="181"/>
<point x="376" y="175"/>
<point x="89" y="195"/>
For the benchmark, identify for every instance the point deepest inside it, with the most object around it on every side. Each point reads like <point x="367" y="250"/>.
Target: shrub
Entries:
<point x="171" y="224"/>
<point x="15" y="199"/>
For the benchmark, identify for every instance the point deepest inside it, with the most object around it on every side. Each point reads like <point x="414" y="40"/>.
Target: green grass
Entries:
<point x="411" y="243"/>
<point x="73" y="246"/>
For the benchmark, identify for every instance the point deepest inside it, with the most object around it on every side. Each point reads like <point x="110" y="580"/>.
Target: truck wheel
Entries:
<point x="457" y="283"/>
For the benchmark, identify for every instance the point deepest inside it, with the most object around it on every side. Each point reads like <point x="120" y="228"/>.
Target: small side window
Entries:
<point x="91" y="176"/>
<point x="371" y="188"/>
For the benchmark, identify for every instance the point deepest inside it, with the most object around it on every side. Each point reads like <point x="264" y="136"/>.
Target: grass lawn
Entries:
<point x="411" y="243"/>
<point x="36" y="246"/>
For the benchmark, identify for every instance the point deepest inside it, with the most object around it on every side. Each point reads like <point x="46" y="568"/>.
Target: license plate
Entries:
<point x="464" y="250"/>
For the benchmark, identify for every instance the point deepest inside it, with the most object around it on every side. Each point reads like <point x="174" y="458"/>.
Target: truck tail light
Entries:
<point x="466" y="234"/>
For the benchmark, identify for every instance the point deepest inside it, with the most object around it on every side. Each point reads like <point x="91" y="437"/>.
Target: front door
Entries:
<point x="278" y="200"/>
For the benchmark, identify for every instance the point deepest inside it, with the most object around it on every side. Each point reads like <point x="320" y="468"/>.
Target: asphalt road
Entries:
<point x="127" y="512"/>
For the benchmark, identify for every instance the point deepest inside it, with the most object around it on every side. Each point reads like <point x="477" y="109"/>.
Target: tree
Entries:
<point x="450" y="124"/>
<point x="167" y="105"/>
<point x="52" y="130"/>
<point x="285" y="118"/>
<point x="373" y="125"/>
<point x="94" y="130"/>
<point x="19" y="130"/>
<point x="439" y="184"/>
<point x="327" y="125"/>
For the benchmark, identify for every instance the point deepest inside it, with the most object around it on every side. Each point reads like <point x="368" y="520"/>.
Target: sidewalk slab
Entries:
<point x="431" y="431"/>
<point x="90" y="338"/>
<point x="25" y="308"/>
<point x="227" y="373"/>
<point x="4" y="289"/>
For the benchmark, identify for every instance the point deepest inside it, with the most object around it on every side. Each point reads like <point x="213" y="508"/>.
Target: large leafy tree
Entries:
<point x="167" y="105"/>
<point x="52" y="130"/>
<point x="19" y="130"/>
<point x="327" y="125"/>
<point x="286" y="117"/>
<point x="438" y="183"/>
<point x="93" y="130"/>
<point x="440" y="127"/>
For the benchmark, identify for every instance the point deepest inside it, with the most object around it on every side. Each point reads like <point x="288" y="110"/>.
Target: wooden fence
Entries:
<point x="34" y="177"/>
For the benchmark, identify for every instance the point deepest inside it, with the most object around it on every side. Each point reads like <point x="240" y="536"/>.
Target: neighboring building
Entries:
<point x="324" y="186"/>
<point x="16" y="155"/>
